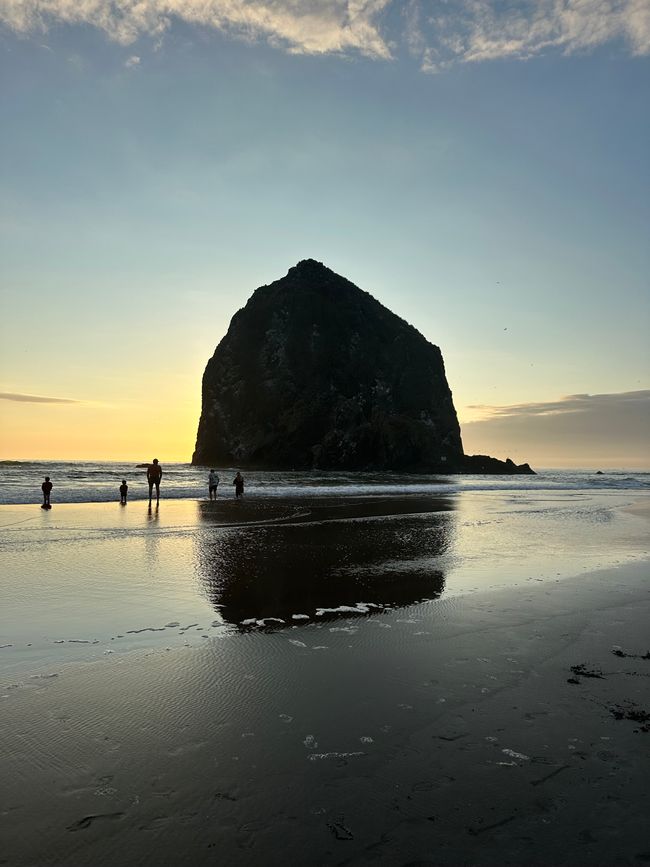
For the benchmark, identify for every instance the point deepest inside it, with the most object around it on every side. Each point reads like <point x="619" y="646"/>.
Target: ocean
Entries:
<point x="91" y="482"/>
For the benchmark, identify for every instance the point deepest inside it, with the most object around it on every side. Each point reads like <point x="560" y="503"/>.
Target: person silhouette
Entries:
<point x="213" y="483"/>
<point x="124" y="490"/>
<point x="238" y="482"/>
<point x="46" y="487"/>
<point x="154" y="475"/>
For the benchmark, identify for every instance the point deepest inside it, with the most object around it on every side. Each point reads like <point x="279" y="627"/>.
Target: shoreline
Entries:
<point x="258" y="501"/>
<point x="261" y="500"/>
<point x="84" y="580"/>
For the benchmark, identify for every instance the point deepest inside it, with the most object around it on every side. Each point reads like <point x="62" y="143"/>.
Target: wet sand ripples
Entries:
<point x="253" y="746"/>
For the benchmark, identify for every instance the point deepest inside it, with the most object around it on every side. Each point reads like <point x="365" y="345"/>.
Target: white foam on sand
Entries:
<point x="315" y="757"/>
<point x="359" y="608"/>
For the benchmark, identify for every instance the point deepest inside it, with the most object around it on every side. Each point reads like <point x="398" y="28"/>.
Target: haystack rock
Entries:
<point x="315" y="373"/>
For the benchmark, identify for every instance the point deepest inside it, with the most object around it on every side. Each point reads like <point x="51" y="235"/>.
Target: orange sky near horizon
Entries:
<point x="131" y="431"/>
<point x="135" y="431"/>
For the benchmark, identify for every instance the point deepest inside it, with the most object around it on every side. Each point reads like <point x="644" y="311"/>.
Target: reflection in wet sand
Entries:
<point x="330" y="555"/>
<point x="152" y="539"/>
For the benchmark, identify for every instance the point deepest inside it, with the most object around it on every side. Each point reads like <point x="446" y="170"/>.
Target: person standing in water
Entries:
<point x="238" y="482"/>
<point x="124" y="490"/>
<point x="154" y="475"/>
<point x="46" y="487"/>
<point x="213" y="482"/>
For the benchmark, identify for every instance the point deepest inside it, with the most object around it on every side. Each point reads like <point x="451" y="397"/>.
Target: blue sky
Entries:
<point x="480" y="167"/>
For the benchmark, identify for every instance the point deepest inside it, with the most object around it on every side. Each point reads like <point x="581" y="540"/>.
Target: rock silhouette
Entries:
<point x="316" y="373"/>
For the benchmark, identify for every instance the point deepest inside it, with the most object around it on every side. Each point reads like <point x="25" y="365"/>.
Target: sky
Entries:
<point x="480" y="167"/>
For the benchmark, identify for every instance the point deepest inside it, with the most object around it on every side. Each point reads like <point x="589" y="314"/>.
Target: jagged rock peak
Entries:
<point x="313" y="265"/>
<point x="317" y="275"/>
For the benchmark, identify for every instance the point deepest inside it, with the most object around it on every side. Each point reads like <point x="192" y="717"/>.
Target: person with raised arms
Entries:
<point x="154" y="475"/>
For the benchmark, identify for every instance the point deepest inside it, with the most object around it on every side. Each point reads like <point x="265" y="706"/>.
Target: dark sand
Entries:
<point x="455" y="732"/>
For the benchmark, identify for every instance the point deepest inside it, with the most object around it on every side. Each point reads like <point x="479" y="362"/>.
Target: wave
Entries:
<point x="92" y="482"/>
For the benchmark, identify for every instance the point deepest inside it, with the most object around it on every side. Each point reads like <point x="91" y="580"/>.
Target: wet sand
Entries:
<point x="641" y="508"/>
<point x="503" y="726"/>
<point x="474" y="743"/>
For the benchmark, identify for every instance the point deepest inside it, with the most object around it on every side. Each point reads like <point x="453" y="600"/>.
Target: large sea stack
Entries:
<point x="316" y="373"/>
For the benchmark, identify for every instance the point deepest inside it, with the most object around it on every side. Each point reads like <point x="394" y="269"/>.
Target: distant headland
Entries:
<point x="316" y="373"/>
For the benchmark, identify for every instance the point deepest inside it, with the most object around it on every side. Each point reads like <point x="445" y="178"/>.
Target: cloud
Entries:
<point x="582" y="403"/>
<point x="299" y="26"/>
<point x="436" y="34"/>
<point x="580" y="429"/>
<point x="132" y="61"/>
<point x="33" y="398"/>
<point x="478" y="30"/>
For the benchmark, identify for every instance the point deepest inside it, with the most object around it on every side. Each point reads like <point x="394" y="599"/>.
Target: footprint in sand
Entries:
<point x="87" y="821"/>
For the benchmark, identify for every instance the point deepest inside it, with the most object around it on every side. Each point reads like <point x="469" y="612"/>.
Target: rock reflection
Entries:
<point x="382" y="553"/>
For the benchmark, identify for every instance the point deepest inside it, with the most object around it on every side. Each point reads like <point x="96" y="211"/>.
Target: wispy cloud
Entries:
<point x="578" y="430"/>
<point x="132" y="61"/>
<point x="34" y="398"/>
<point x="573" y="403"/>
<point x="477" y="30"/>
<point x="436" y="34"/>
<point x="316" y="27"/>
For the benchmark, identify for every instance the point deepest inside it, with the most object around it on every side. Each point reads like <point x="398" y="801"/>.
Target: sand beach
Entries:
<point x="395" y="680"/>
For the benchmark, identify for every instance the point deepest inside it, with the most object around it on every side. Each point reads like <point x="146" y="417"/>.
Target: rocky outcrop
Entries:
<point x="485" y="465"/>
<point x="316" y="373"/>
